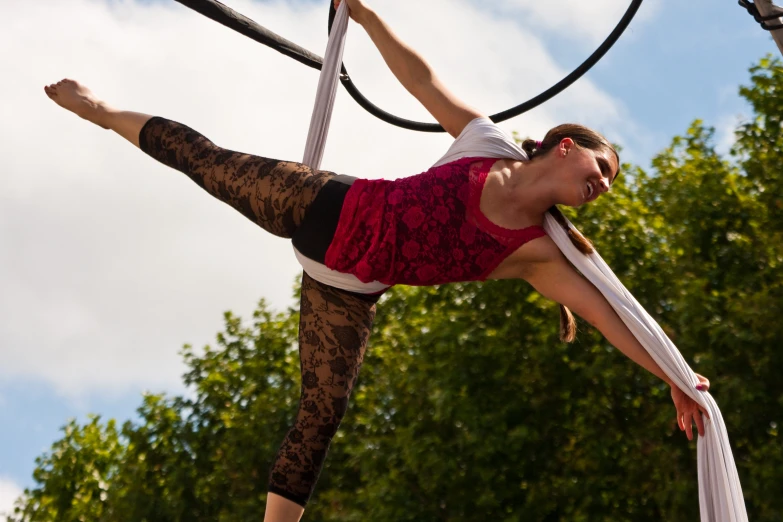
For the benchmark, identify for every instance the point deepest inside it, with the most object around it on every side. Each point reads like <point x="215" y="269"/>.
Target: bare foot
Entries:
<point x="78" y="99"/>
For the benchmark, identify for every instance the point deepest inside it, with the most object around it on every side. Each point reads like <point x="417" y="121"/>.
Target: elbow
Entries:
<point x="419" y="83"/>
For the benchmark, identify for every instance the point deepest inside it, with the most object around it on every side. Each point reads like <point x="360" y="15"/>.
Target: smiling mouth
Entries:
<point x="590" y="191"/>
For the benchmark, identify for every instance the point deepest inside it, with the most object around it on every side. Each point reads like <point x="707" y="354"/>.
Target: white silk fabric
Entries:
<point x="720" y="493"/>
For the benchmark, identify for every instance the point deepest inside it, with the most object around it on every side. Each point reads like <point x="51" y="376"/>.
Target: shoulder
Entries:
<point x="540" y="250"/>
<point x="481" y="137"/>
<point x="536" y="254"/>
<point x="483" y="128"/>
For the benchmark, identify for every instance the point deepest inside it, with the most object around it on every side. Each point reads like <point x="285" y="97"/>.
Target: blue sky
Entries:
<point x="111" y="263"/>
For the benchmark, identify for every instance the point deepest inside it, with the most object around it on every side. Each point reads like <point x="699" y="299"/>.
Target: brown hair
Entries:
<point x="588" y="139"/>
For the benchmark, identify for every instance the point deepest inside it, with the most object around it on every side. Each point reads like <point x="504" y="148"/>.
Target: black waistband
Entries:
<point x="315" y="234"/>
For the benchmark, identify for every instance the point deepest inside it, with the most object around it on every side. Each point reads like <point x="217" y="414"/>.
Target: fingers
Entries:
<point x="688" y="424"/>
<point x="685" y="422"/>
<point x="699" y="423"/>
<point x="689" y="411"/>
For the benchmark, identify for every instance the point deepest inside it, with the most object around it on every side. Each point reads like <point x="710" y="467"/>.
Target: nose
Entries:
<point x="604" y="184"/>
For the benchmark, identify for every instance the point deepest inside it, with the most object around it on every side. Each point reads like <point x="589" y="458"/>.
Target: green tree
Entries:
<point x="76" y="474"/>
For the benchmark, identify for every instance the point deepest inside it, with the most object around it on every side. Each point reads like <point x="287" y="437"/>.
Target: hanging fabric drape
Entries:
<point x="327" y="89"/>
<point x="720" y="493"/>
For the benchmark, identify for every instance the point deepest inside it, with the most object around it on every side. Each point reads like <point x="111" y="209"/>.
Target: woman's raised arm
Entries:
<point x="413" y="72"/>
<point x="554" y="277"/>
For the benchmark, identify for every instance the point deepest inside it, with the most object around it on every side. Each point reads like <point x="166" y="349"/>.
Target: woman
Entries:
<point x="476" y="215"/>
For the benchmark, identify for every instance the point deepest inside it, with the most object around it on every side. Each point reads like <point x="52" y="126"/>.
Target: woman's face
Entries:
<point x="588" y="173"/>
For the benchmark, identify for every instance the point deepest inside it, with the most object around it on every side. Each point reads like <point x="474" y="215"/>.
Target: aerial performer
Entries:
<point x="476" y="215"/>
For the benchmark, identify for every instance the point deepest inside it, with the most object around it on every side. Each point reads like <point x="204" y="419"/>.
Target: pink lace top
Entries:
<point x="425" y="229"/>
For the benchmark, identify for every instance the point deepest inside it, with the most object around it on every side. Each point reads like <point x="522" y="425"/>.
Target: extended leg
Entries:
<point x="333" y="331"/>
<point x="274" y="194"/>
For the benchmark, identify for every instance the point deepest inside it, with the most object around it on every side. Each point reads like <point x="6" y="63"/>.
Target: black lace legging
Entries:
<point x="334" y="325"/>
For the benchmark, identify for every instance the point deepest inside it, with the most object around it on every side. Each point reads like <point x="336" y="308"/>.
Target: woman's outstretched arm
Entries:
<point x="413" y="72"/>
<point x="554" y="277"/>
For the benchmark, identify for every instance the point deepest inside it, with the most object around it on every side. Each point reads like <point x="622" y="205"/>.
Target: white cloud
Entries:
<point x="725" y="129"/>
<point x="592" y="21"/>
<point x="9" y="492"/>
<point x="109" y="261"/>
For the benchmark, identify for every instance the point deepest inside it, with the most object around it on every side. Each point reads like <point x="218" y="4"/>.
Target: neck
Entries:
<point x="531" y="191"/>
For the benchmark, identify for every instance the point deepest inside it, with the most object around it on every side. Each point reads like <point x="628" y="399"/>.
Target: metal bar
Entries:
<point x="767" y="8"/>
<point x="240" y="23"/>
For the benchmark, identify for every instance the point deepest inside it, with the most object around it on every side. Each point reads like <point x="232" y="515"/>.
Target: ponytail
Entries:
<point x="567" y="321"/>
<point x="588" y="139"/>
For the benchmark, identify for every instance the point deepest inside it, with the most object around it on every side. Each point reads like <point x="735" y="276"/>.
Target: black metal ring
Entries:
<point x="223" y="14"/>
<point x="507" y="114"/>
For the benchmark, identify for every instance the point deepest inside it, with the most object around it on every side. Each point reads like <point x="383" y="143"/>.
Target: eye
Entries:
<point x="606" y="169"/>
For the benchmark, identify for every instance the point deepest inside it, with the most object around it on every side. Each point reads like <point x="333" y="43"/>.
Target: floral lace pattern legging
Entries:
<point x="334" y="325"/>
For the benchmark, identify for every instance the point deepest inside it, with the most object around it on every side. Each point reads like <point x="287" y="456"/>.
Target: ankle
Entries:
<point x="103" y="115"/>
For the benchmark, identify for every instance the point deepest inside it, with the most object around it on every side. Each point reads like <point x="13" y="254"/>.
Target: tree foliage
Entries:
<point x="468" y="406"/>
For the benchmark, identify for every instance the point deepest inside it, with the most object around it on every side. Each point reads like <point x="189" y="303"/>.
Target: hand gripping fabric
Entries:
<point x="720" y="493"/>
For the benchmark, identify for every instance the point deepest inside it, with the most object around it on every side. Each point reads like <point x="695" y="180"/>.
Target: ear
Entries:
<point x="565" y="145"/>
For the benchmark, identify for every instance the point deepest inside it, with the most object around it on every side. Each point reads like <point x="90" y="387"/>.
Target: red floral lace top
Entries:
<point x="425" y="229"/>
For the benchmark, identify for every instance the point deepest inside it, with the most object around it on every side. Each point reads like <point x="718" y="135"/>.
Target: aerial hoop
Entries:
<point x="532" y="103"/>
<point x="244" y="25"/>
